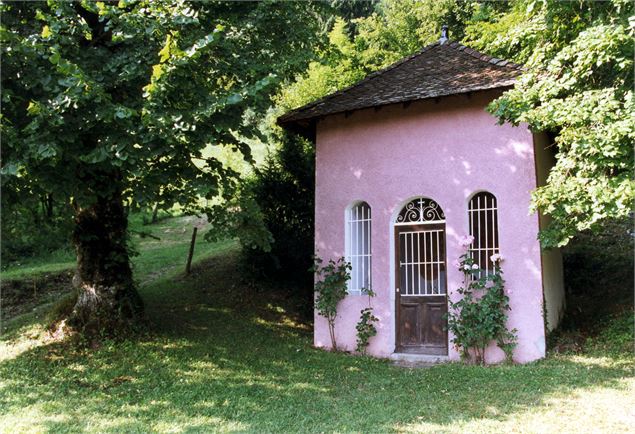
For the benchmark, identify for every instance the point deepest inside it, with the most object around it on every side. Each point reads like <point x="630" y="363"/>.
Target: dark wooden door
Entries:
<point x="421" y="282"/>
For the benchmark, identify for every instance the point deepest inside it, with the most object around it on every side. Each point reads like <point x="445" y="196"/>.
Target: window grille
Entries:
<point x="422" y="262"/>
<point x="483" y="221"/>
<point x="359" y="246"/>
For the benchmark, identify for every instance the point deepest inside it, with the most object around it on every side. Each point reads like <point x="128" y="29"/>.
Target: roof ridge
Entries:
<point x="321" y="106"/>
<point x="482" y="56"/>
<point x="364" y="80"/>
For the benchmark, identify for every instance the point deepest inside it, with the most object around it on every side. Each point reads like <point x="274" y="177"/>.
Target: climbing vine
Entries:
<point x="480" y="316"/>
<point x="366" y="325"/>
<point x="330" y="289"/>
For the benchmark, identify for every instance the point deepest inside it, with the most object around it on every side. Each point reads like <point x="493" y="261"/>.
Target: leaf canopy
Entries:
<point x="99" y="96"/>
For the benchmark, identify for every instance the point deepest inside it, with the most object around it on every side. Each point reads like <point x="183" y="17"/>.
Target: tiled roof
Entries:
<point x="439" y="69"/>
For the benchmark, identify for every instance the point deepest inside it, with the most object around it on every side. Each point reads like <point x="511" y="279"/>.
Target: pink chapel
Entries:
<point x="409" y="163"/>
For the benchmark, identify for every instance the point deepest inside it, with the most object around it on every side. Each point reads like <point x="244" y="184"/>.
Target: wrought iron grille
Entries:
<point x="420" y="210"/>
<point x="359" y="247"/>
<point x="422" y="262"/>
<point x="483" y="220"/>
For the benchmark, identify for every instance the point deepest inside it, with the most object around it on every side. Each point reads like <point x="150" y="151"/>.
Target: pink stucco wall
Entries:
<point x="445" y="150"/>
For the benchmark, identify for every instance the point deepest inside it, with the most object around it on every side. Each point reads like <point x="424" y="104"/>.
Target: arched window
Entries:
<point x="358" y="246"/>
<point x="483" y="220"/>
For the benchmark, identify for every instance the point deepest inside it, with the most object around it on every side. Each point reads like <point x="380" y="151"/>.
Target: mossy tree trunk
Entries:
<point x="108" y="300"/>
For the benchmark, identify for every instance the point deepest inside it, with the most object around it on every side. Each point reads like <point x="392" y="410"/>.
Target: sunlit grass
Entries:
<point x="223" y="356"/>
<point x="54" y="263"/>
<point x="174" y="233"/>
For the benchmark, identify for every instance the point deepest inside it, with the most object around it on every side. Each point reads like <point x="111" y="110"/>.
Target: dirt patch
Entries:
<point x="20" y="296"/>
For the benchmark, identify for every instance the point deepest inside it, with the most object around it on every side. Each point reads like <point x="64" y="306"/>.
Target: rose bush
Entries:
<point x="480" y="316"/>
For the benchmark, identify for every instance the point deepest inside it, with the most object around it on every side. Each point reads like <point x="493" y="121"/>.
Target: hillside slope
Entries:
<point x="222" y="353"/>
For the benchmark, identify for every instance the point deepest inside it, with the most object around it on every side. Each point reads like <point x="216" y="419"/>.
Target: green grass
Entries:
<point x="223" y="356"/>
<point x="158" y="256"/>
<point x="53" y="262"/>
<point x="168" y="255"/>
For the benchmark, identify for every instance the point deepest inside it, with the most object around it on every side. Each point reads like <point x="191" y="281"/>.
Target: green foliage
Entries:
<point x="402" y="27"/>
<point x="615" y="335"/>
<point x="352" y="10"/>
<point x="281" y="191"/>
<point x="272" y="215"/>
<point x="480" y="315"/>
<point x="508" y="33"/>
<point x="330" y="288"/>
<point x="100" y="98"/>
<point x="598" y="262"/>
<point x="366" y="325"/>
<point x="241" y="215"/>
<point x="283" y="188"/>
<point x="579" y="86"/>
<point x="338" y="66"/>
<point x="396" y="29"/>
<point x="32" y="227"/>
<point x="112" y="106"/>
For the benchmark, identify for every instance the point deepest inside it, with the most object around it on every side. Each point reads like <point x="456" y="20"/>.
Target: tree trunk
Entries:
<point x="107" y="300"/>
<point x="155" y="213"/>
<point x="331" y="323"/>
<point x="49" y="207"/>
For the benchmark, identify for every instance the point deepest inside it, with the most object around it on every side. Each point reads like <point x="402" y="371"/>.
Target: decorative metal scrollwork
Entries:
<point x="421" y="210"/>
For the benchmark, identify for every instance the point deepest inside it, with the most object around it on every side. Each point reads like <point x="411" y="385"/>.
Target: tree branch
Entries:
<point x="97" y="28"/>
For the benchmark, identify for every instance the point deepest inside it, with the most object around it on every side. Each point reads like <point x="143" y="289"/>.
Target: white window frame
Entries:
<point x="359" y="212"/>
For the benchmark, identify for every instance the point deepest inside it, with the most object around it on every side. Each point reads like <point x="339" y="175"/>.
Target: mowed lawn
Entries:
<point x="223" y="355"/>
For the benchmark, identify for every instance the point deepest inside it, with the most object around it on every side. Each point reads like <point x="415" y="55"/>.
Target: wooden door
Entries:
<point x="421" y="284"/>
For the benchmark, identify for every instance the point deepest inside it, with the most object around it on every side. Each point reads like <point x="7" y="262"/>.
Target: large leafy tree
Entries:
<point x="110" y="105"/>
<point x="579" y="87"/>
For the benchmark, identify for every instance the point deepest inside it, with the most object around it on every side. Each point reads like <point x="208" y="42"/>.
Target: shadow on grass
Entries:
<point x="222" y="358"/>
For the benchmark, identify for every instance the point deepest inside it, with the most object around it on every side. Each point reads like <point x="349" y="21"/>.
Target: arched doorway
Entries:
<point x="421" y="279"/>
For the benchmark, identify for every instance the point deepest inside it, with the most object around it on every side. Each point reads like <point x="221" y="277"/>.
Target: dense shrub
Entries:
<point x="283" y="189"/>
<point x="598" y="273"/>
<point x="599" y="280"/>
<point x="599" y="258"/>
<point x="272" y="215"/>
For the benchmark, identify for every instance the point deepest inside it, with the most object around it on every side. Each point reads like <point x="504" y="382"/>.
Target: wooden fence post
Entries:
<point x="189" y="256"/>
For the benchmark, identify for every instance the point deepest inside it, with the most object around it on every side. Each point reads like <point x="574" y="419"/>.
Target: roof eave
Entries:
<point x="302" y="127"/>
<point x="303" y="119"/>
<point x="305" y="126"/>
